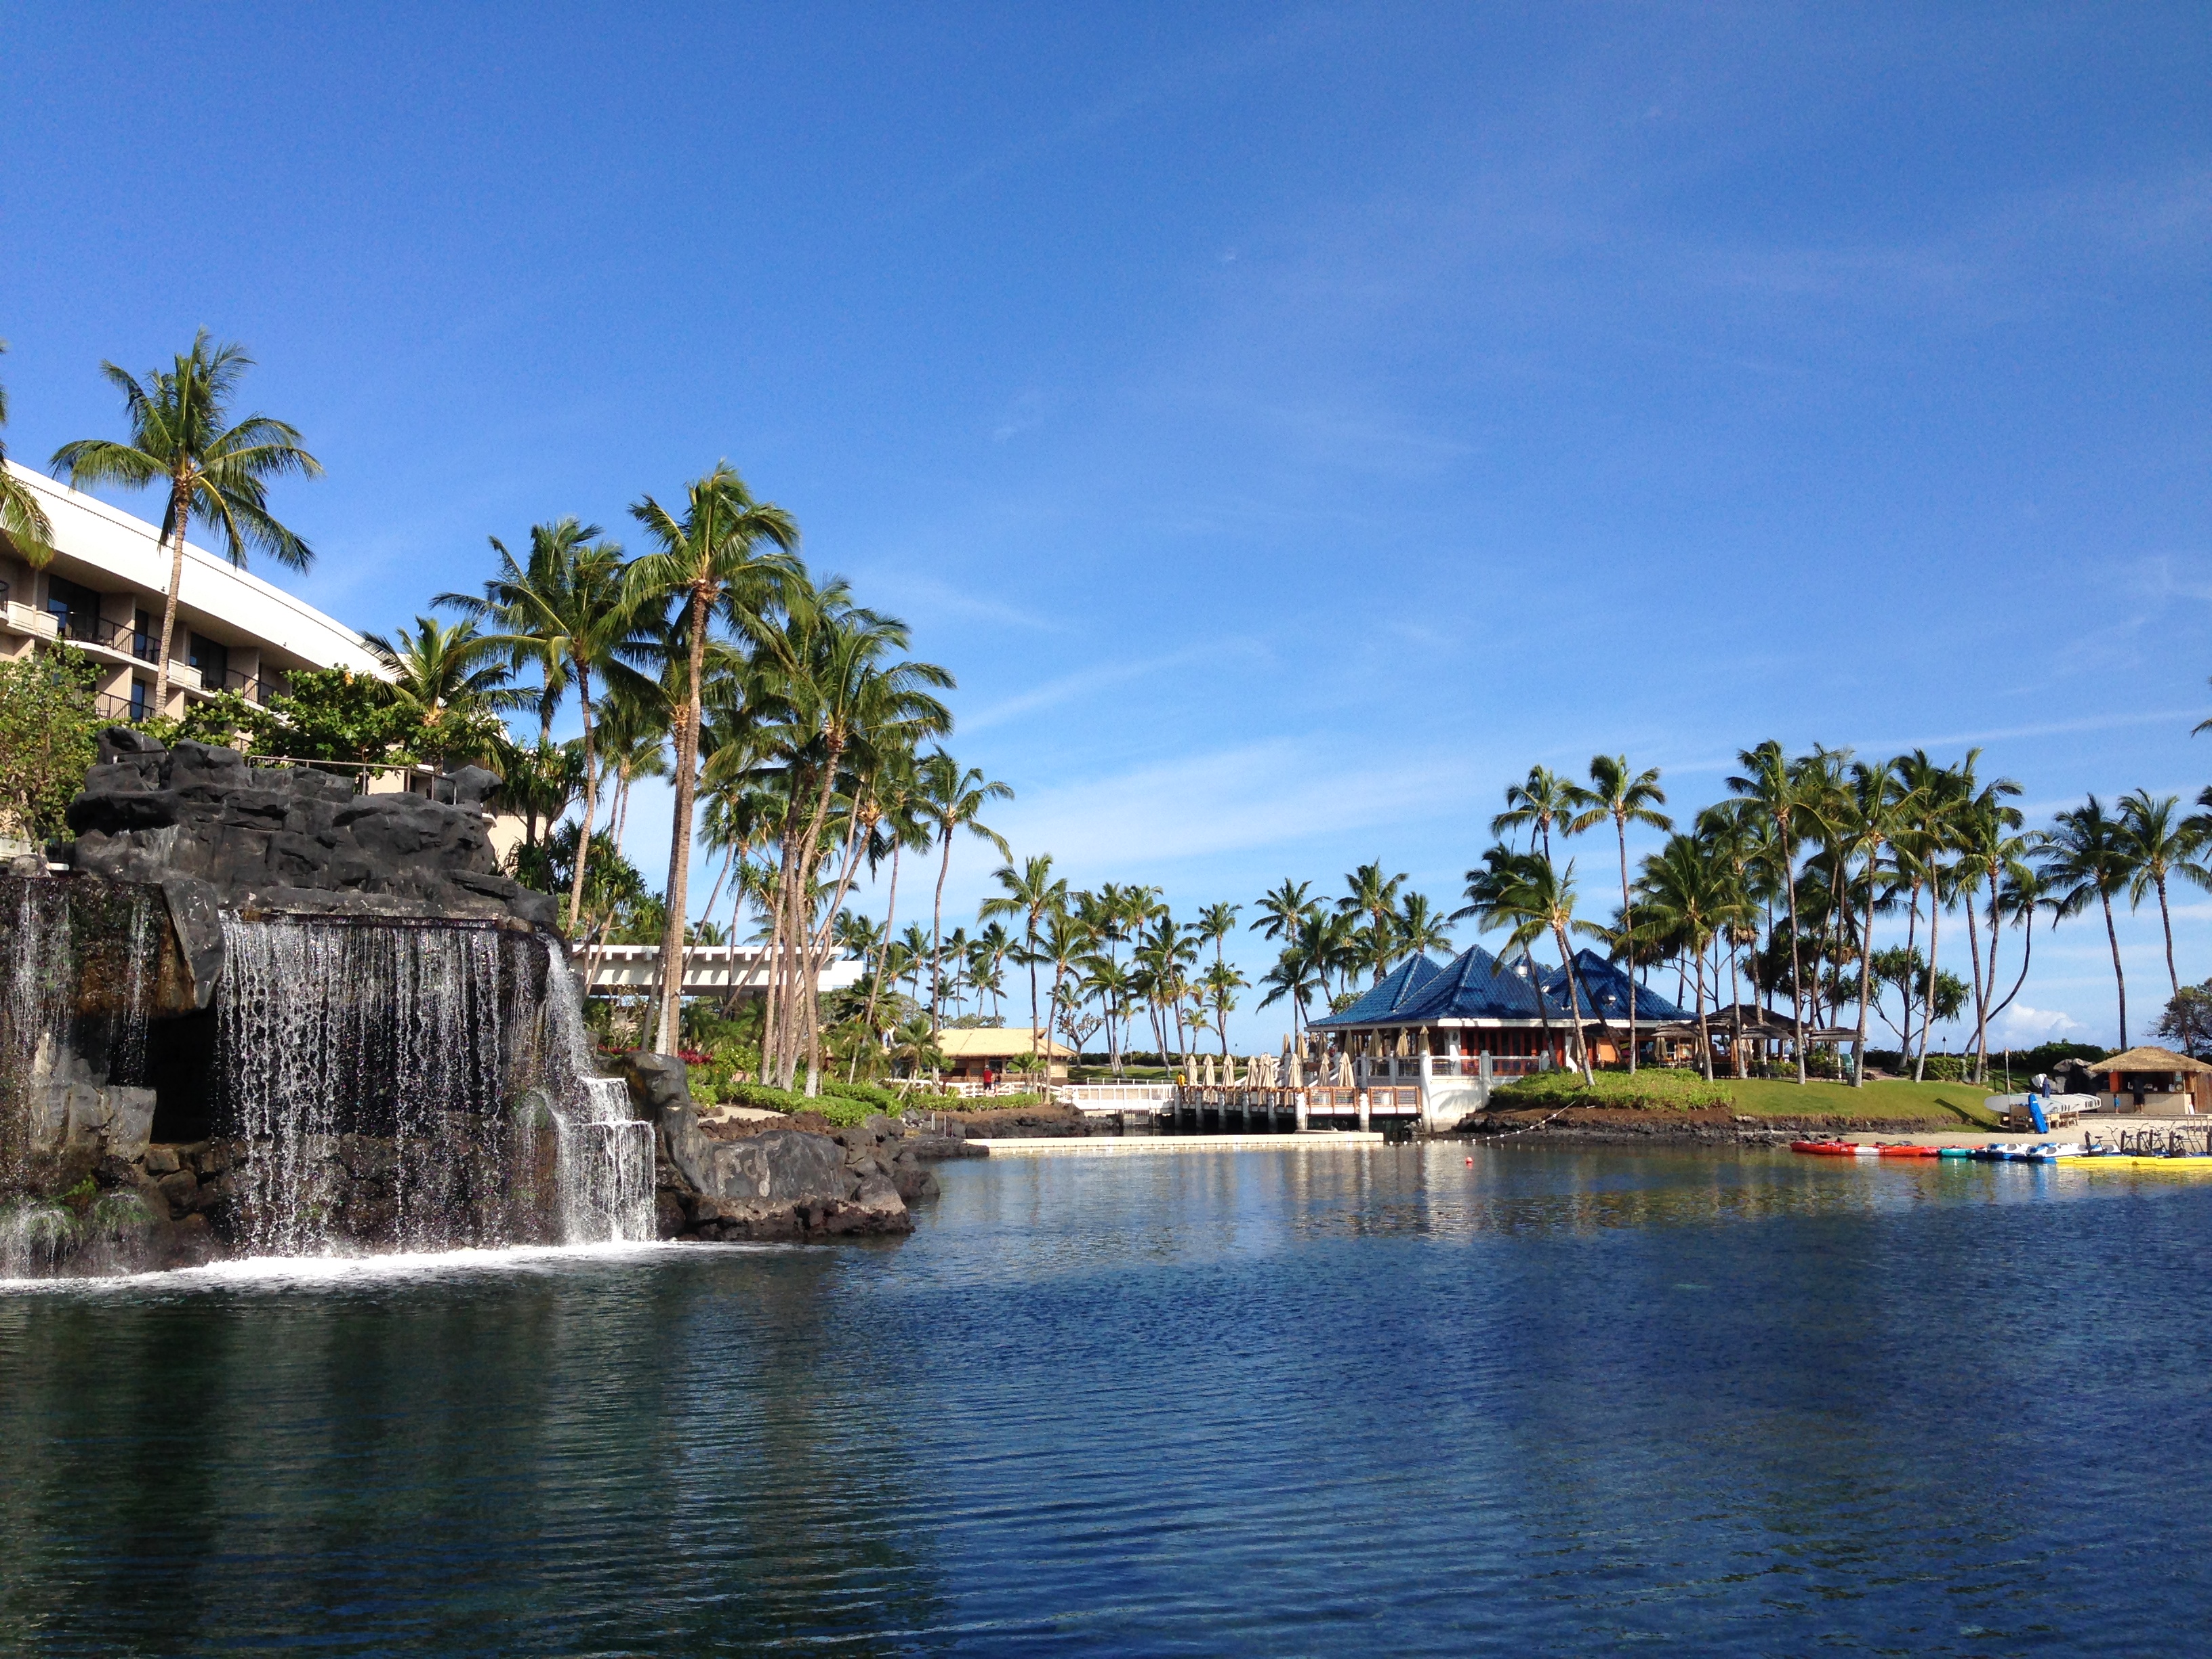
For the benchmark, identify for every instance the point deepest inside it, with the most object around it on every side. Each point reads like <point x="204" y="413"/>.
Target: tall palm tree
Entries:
<point x="2161" y="845"/>
<point x="1215" y="923"/>
<point x="217" y="471"/>
<point x="1221" y="983"/>
<point x="1536" y="803"/>
<point x="1987" y="839"/>
<point x="904" y="825"/>
<point x="1418" y="929"/>
<point x="953" y="798"/>
<point x="1521" y="893"/>
<point x="729" y="556"/>
<point x="1295" y="977"/>
<point x="1769" y="783"/>
<point x="1689" y="894"/>
<point x="2087" y="856"/>
<point x="23" y="522"/>
<point x="1032" y="893"/>
<point x="1873" y="818"/>
<point x="1373" y="896"/>
<point x="572" y="612"/>
<point x="1284" y="909"/>
<point x="450" y="679"/>
<point x="1626" y="797"/>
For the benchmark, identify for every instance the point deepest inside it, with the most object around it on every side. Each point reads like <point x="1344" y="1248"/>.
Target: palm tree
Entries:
<point x="1873" y="817"/>
<point x="1221" y="983"/>
<point x="23" y="522"/>
<point x="1285" y="909"/>
<point x="1536" y="803"/>
<point x="217" y="471"/>
<point x="1418" y="929"/>
<point x="1215" y="923"/>
<point x="1769" y="784"/>
<point x="1374" y="897"/>
<point x="712" y="561"/>
<point x="2087" y="856"/>
<point x="1521" y="893"/>
<point x="1032" y="893"/>
<point x="571" y="613"/>
<point x="953" y="800"/>
<point x="451" y="680"/>
<point x="1295" y="976"/>
<point x="1690" y="895"/>
<point x="1065" y="941"/>
<point x="1627" y="798"/>
<point x="2161" y="847"/>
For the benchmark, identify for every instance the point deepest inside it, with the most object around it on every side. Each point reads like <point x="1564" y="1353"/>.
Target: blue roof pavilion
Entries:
<point x="1605" y="991"/>
<point x="1401" y="986"/>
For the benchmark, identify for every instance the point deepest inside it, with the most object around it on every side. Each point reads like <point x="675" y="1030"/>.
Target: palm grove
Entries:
<point x="804" y="748"/>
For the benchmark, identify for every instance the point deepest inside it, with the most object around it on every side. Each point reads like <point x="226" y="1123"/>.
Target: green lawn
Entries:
<point x="1665" y="1090"/>
<point x="1767" y="1097"/>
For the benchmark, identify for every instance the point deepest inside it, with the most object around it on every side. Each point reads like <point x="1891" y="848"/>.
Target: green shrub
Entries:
<point x="1660" y="1091"/>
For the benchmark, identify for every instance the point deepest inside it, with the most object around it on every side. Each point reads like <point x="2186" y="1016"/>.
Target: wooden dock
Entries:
<point x="1054" y="1145"/>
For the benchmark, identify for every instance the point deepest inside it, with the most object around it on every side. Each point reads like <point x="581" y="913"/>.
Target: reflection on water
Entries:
<point x="1299" y="1402"/>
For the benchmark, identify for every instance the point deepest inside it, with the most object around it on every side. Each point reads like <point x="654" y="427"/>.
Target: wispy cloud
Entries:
<point x="1060" y="690"/>
<point x="1257" y="796"/>
<point x="935" y="598"/>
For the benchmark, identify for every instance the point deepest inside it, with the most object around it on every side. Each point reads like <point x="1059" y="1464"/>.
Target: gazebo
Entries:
<point x="2155" y="1080"/>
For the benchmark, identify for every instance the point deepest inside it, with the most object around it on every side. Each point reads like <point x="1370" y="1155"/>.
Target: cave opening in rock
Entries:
<point x="180" y="1069"/>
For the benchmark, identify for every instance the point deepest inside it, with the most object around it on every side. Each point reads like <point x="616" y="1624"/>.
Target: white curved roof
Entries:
<point x="126" y="551"/>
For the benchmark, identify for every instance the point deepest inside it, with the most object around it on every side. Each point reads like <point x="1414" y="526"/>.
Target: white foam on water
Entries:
<point x="336" y="1271"/>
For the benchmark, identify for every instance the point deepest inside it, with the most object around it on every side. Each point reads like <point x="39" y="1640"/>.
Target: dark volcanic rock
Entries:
<point x="263" y="837"/>
<point x="780" y="1183"/>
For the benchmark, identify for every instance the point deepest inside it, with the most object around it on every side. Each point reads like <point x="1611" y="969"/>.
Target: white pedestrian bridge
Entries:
<point x="708" y="970"/>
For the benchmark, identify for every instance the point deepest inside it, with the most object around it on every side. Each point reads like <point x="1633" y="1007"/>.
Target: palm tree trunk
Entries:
<point x="181" y="501"/>
<point x="1866" y="974"/>
<point x="1574" y="1004"/>
<point x="1628" y="929"/>
<point x="679" y="850"/>
<point x="1911" y="939"/>
<point x="1981" y="996"/>
<point x="875" y="980"/>
<point x="1796" y="967"/>
<point x="1705" y="1033"/>
<point x="2166" y="920"/>
<point x="591" y="799"/>
<point x="1927" y="1009"/>
<point x="1735" y="1009"/>
<point x="936" y="938"/>
<point x="2119" y="976"/>
<point x="1030" y="953"/>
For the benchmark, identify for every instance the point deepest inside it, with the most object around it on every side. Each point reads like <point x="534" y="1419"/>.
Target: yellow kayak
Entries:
<point x="2131" y="1161"/>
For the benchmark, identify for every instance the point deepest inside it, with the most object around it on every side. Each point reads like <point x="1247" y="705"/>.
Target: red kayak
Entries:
<point x="1825" y="1148"/>
<point x="1912" y="1151"/>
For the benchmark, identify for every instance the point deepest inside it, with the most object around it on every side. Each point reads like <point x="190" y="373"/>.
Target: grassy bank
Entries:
<point x="1686" y="1091"/>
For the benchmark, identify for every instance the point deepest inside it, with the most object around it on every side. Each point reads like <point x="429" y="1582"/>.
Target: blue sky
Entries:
<point x="1289" y="422"/>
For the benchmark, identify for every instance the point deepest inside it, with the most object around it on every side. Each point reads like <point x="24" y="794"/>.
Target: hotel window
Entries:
<point x="75" y="609"/>
<point x="212" y="660"/>
<point x="140" y="692"/>
<point x="145" y="643"/>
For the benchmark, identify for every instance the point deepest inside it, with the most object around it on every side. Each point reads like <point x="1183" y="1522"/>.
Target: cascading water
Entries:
<point x="40" y="971"/>
<point x="606" y="1162"/>
<point x="382" y="1073"/>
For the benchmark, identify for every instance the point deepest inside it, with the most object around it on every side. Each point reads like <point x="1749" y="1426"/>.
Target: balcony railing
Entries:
<point x="122" y="638"/>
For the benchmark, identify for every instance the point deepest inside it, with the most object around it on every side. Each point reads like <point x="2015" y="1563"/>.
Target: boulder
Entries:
<point x="260" y="837"/>
<point x="773" y="1183"/>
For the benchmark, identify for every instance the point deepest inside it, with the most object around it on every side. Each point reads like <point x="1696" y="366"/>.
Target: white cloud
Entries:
<point x="1263" y="794"/>
<point x="2022" y="1027"/>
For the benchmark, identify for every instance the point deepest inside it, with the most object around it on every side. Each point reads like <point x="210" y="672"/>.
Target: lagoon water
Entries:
<point x="1266" y="1403"/>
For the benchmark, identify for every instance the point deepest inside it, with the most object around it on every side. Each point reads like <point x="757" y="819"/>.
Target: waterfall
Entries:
<point x="385" y="1078"/>
<point x="40" y="971"/>
<point x="607" y="1161"/>
<point x="127" y="1055"/>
